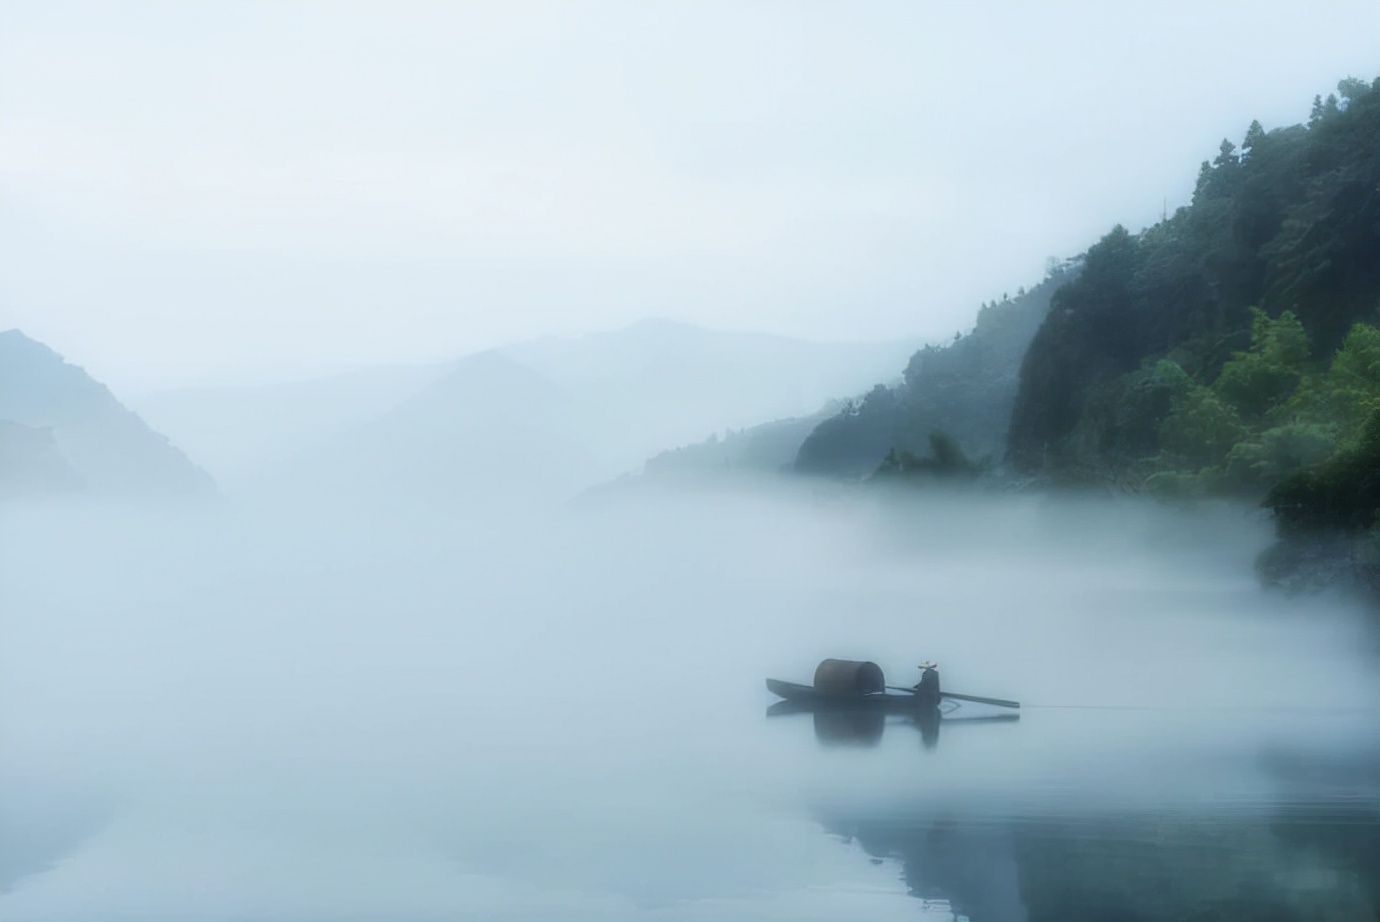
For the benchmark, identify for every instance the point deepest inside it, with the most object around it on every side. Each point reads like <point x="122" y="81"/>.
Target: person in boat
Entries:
<point x="927" y="689"/>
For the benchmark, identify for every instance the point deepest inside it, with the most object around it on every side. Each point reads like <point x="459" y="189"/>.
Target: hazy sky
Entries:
<point x="191" y="190"/>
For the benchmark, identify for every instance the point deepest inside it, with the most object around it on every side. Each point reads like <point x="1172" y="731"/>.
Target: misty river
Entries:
<point x="257" y="711"/>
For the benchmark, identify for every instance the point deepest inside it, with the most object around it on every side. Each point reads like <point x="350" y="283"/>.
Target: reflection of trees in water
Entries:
<point x="1349" y="839"/>
<point x="1309" y="851"/>
<point x="1137" y="867"/>
<point x="1191" y="867"/>
<point x="1346" y="827"/>
<point x="971" y="864"/>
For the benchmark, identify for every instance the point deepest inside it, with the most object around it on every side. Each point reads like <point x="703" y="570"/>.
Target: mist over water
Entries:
<point x="395" y="406"/>
<point x="268" y="710"/>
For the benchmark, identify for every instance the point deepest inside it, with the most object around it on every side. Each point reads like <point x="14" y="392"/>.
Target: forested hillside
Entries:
<point x="1284" y="230"/>
<point x="1235" y="347"/>
<point x="770" y="447"/>
<point x="964" y="389"/>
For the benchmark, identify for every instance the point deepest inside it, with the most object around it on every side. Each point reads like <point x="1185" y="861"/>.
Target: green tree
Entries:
<point x="1342" y="493"/>
<point x="1226" y="155"/>
<point x="1201" y="428"/>
<point x="1260" y="461"/>
<point x="1353" y="380"/>
<point x="1260" y="380"/>
<point x="1351" y="90"/>
<point x="1349" y="391"/>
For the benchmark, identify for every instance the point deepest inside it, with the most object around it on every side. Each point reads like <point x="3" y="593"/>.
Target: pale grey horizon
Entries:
<point x="198" y="192"/>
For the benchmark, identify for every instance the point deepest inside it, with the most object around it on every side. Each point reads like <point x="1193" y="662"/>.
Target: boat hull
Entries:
<point x="809" y="695"/>
<point x="858" y="719"/>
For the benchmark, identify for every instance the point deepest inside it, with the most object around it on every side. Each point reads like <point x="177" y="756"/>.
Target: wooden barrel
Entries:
<point x="849" y="677"/>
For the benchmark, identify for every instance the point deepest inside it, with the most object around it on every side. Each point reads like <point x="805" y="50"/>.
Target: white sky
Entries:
<point x="202" y="191"/>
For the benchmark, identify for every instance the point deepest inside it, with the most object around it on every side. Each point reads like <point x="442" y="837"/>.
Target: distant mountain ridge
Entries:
<point x="237" y="430"/>
<point x="31" y="464"/>
<point x="767" y="448"/>
<point x="589" y="408"/>
<point x="673" y="384"/>
<point x="64" y="430"/>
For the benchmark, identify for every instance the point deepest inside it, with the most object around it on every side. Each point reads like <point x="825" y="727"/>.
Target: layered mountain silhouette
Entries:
<point x="487" y="429"/>
<point x="548" y="417"/>
<point x="62" y="431"/>
<point x="237" y="431"/>
<point x="683" y="382"/>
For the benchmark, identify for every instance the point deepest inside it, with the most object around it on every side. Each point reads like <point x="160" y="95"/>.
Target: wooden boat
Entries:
<point x="808" y="694"/>
<point x="866" y="715"/>
<point x="809" y="697"/>
<point x="860" y="684"/>
<point x="852" y="705"/>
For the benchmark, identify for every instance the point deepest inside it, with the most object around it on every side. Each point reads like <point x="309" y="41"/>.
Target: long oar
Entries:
<point x="999" y="702"/>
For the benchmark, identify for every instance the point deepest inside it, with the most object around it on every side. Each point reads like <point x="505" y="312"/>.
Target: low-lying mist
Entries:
<point x="264" y="710"/>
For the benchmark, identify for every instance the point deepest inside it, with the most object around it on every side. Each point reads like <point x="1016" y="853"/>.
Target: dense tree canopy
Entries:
<point x="1270" y="413"/>
<point x="965" y="388"/>
<point x="1232" y="348"/>
<point x="1287" y="223"/>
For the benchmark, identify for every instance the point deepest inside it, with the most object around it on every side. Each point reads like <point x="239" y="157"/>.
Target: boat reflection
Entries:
<point x="849" y="728"/>
<point x="840" y="725"/>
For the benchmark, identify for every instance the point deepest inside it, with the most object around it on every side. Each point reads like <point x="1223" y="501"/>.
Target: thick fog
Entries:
<point x="222" y="193"/>
<point x="260" y="710"/>
<point x="395" y="509"/>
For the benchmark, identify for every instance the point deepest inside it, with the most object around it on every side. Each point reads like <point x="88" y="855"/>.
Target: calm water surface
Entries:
<point x="260" y="712"/>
